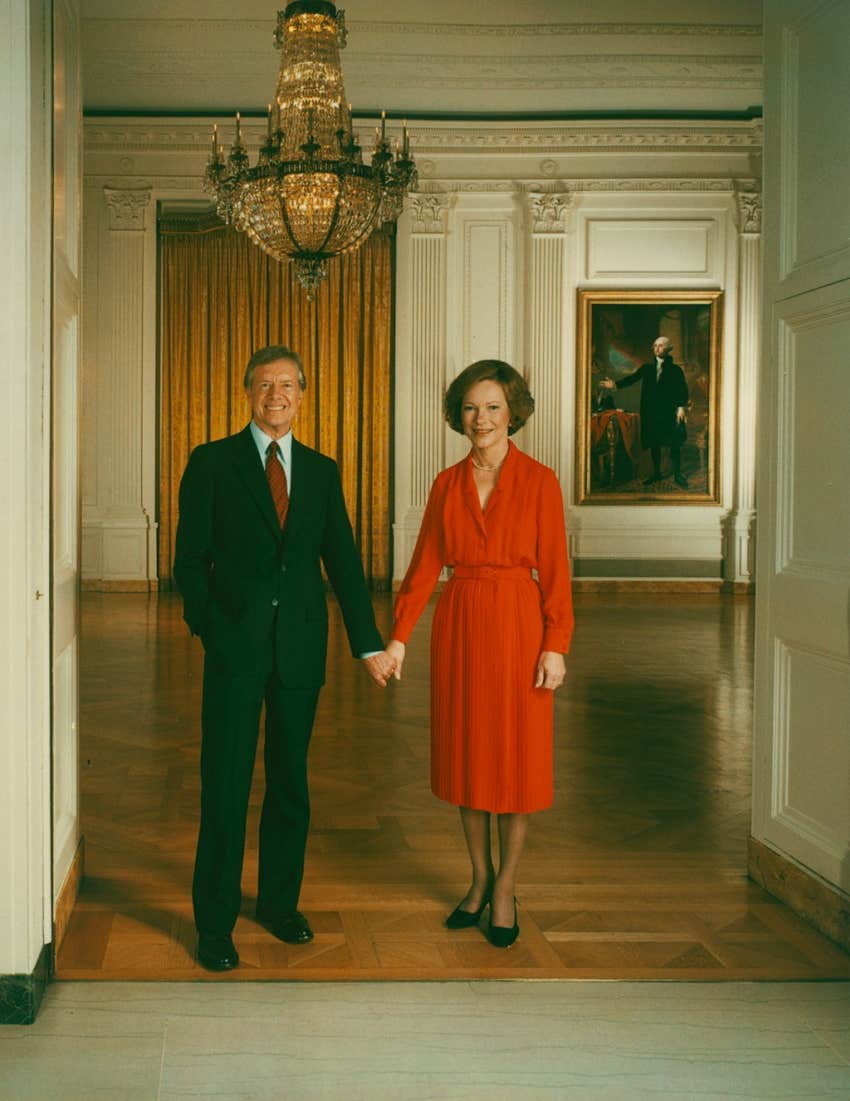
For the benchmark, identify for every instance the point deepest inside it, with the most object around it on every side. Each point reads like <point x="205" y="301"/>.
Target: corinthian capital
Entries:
<point x="428" y="210"/>
<point x="749" y="210"/>
<point x="549" y="211"/>
<point x="127" y="207"/>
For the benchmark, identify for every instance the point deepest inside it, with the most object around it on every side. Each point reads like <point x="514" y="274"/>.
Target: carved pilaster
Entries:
<point x="427" y="339"/>
<point x="547" y="251"/>
<point x="119" y="522"/>
<point x="740" y="533"/>
<point x="127" y="207"/>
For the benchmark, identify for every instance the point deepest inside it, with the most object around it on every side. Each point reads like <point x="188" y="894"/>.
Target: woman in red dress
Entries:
<point x="499" y="634"/>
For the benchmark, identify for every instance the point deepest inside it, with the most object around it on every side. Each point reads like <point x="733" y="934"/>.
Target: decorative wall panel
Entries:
<point x="625" y="249"/>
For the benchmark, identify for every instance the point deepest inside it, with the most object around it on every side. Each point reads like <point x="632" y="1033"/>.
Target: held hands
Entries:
<point x="608" y="384"/>
<point x="396" y="651"/>
<point x="551" y="670"/>
<point x="386" y="664"/>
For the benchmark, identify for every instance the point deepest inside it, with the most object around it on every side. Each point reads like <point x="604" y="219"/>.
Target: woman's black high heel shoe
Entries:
<point x="502" y="936"/>
<point x="465" y="919"/>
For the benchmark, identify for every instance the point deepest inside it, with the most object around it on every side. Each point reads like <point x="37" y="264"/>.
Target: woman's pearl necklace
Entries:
<point x="480" y="466"/>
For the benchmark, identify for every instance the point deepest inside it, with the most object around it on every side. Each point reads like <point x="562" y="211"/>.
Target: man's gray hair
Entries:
<point x="271" y="354"/>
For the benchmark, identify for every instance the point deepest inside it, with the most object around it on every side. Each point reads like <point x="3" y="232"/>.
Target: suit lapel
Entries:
<point x="301" y="488"/>
<point x="250" y="469"/>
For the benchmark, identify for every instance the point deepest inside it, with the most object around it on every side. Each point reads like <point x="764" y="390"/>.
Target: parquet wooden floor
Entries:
<point x="637" y="872"/>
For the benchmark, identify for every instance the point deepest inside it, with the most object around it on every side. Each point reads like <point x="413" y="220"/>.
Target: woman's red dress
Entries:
<point x="491" y="729"/>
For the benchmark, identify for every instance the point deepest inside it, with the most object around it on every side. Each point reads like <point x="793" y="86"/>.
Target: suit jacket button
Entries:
<point x="275" y="602"/>
<point x="283" y="569"/>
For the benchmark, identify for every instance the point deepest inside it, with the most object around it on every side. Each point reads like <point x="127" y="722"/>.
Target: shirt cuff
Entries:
<point x="368" y="654"/>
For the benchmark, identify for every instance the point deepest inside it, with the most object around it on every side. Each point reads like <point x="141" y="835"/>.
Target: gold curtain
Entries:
<point x="222" y="297"/>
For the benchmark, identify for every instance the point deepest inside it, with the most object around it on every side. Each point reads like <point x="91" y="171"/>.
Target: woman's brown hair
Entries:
<point x="517" y="395"/>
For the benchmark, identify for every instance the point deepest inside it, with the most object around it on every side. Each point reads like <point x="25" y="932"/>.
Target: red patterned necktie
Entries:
<point x="277" y="482"/>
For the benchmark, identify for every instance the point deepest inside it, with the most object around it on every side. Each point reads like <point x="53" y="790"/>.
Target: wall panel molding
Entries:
<point x="811" y="694"/>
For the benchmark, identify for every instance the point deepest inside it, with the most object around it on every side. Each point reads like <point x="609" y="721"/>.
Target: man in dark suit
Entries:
<point x="663" y="401"/>
<point x="258" y="513"/>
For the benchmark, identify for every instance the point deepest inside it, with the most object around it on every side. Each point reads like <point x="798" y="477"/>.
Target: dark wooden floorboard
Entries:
<point x="637" y="872"/>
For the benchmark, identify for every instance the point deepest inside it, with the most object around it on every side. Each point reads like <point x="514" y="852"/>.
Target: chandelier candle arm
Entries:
<point x="310" y="196"/>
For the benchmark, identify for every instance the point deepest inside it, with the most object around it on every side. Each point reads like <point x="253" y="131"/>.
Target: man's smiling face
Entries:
<point x="275" y="395"/>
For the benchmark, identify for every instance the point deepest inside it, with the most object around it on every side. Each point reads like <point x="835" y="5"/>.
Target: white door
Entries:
<point x="801" y="786"/>
<point x="65" y="507"/>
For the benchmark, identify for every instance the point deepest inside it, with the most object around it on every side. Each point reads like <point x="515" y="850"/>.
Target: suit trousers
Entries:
<point x="675" y="458"/>
<point x="232" y="703"/>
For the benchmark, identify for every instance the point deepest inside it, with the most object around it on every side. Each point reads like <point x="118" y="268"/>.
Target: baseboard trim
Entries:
<point x="739" y="588"/>
<point x="21" y="995"/>
<point x="626" y="585"/>
<point x="95" y="585"/>
<point x="818" y="902"/>
<point x="67" y="896"/>
<point x="643" y="585"/>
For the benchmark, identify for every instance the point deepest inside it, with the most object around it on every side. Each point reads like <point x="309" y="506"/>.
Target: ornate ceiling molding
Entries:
<point x="121" y="136"/>
<point x="435" y="194"/>
<point x="563" y="70"/>
<point x="576" y="185"/>
<point x="747" y="135"/>
<point x="361" y="28"/>
<point x="121" y="70"/>
<point x="571" y="30"/>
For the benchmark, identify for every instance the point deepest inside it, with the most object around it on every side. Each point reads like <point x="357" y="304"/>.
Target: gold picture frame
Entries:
<point x="628" y="449"/>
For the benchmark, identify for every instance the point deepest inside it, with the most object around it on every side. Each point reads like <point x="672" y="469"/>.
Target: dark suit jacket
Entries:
<point x="659" y="400"/>
<point x="245" y="584"/>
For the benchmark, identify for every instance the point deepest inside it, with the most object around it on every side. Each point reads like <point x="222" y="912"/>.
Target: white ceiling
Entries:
<point x="499" y="56"/>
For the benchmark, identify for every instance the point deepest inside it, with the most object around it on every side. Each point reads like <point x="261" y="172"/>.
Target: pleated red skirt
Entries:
<point x="491" y="729"/>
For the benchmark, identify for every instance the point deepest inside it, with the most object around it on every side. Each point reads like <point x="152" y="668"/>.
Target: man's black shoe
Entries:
<point x="652" y="479"/>
<point x="217" y="953"/>
<point x="680" y="480"/>
<point x="292" y="927"/>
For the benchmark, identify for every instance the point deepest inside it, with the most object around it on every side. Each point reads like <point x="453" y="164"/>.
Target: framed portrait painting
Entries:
<point x="647" y="396"/>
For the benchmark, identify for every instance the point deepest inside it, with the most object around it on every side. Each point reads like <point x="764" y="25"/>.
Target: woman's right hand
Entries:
<point x="395" y="651"/>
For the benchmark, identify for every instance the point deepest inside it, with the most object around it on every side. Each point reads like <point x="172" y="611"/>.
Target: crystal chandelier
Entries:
<point x="310" y="196"/>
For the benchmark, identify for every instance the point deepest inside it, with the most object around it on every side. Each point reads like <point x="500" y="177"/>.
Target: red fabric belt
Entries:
<point x="492" y="573"/>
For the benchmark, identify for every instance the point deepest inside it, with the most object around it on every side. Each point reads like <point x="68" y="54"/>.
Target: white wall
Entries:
<point x="490" y="253"/>
<point x="25" y="220"/>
